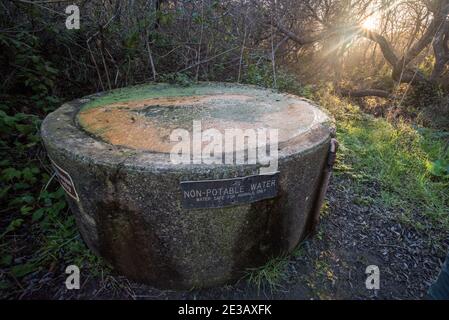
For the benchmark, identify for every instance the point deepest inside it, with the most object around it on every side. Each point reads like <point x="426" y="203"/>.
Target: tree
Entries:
<point x="435" y="33"/>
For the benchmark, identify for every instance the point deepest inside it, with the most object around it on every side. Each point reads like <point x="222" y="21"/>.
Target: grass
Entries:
<point x="398" y="156"/>
<point x="269" y="275"/>
<point x="38" y="234"/>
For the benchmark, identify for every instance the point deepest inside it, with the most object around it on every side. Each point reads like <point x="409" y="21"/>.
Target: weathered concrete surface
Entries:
<point x="146" y="123"/>
<point x="129" y="209"/>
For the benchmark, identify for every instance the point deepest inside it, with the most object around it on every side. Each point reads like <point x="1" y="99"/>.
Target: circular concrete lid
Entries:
<point x="144" y="117"/>
<point x="82" y="129"/>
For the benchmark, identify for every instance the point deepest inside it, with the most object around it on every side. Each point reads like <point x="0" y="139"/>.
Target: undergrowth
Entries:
<point x="38" y="234"/>
<point x="410" y="163"/>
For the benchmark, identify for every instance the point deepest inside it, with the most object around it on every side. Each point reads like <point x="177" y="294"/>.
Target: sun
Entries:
<point x="370" y="23"/>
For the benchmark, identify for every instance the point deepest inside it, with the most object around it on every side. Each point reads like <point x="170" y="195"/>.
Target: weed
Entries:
<point x="409" y="162"/>
<point x="269" y="274"/>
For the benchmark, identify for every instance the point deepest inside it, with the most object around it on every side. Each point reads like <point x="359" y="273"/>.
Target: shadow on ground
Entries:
<point x="354" y="232"/>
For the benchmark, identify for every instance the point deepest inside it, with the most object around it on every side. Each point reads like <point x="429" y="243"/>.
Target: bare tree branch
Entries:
<point x="441" y="51"/>
<point x="385" y="46"/>
<point x="298" y="39"/>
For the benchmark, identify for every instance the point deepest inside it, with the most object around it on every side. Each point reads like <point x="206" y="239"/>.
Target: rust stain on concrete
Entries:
<point x="120" y="124"/>
<point x="146" y="124"/>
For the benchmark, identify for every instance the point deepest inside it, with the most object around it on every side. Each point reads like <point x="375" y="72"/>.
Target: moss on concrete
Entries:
<point x="160" y="90"/>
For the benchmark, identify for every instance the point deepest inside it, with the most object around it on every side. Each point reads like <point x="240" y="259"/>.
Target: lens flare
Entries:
<point x="370" y="23"/>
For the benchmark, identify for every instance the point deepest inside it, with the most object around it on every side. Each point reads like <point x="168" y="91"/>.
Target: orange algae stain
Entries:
<point x="119" y="124"/>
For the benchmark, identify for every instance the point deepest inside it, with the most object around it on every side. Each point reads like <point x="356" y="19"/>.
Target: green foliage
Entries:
<point x="421" y="96"/>
<point x="34" y="74"/>
<point x="34" y="207"/>
<point x="178" y="78"/>
<point x="269" y="275"/>
<point x="262" y="75"/>
<point x="439" y="168"/>
<point x="426" y="65"/>
<point x="34" y="204"/>
<point x="408" y="162"/>
<point x="36" y="229"/>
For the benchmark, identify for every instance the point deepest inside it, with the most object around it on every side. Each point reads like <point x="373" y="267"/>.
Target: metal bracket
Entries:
<point x="331" y="156"/>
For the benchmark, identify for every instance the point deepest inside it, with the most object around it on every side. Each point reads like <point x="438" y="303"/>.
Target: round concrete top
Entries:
<point x="144" y="117"/>
<point x="89" y="128"/>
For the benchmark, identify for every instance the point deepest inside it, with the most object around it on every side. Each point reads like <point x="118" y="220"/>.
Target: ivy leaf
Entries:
<point x="11" y="173"/>
<point x="25" y="210"/>
<point x="29" y="174"/>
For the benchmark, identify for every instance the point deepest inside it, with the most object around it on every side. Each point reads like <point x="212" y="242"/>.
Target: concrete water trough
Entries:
<point x="176" y="221"/>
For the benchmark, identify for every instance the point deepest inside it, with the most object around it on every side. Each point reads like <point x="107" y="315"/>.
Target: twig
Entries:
<point x="201" y="40"/>
<point x="209" y="59"/>
<point x="241" y="55"/>
<point x="150" y="57"/>
<point x="273" y="62"/>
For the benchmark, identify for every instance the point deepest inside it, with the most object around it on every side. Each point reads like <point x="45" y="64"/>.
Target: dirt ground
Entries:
<point x="353" y="234"/>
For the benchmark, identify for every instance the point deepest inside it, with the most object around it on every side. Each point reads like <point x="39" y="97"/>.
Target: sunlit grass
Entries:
<point x="269" y="275"/>
<point x="395" y="155"/>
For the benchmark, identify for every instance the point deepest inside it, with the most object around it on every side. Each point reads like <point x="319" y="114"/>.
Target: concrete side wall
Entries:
<point x="134" y="219"/>
<point x="129" y="209"/>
